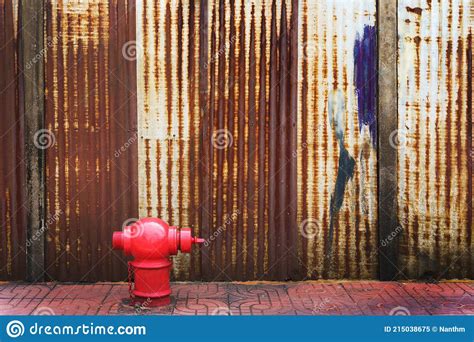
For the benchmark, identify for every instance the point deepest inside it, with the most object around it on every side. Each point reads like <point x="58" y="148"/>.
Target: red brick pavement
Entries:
<point x="300" y="298"/>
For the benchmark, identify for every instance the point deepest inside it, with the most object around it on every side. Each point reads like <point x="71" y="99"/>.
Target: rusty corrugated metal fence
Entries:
<point x="253" y="122"/>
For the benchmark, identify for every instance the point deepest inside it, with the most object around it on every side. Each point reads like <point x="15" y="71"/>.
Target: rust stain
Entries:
<point x="415" y="10"/>
<point x="92" y="167"/>
<point x="169" y="110"/>
<point x="265" y="74"/>
<point x="12" y="168"/>
<point x="231" y="117"/>
<point x="239" y="242"/>
<point x="303" y="120"/>
<point x="243" y="74"/>
<point x="272" y="141"/>
<point x="223" y="69"/>
<point x="262" y="184"/>
<point x="326" y="64"/>
<point x="282" y="206"/>
<point x="251" y="158"/>
<point x="294" y="266"/>
<point x="470" y="150"/>
<point x="435" y="184"/>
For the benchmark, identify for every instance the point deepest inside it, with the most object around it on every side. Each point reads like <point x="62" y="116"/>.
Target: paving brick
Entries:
<point x="217" y="298"/>
<point x="200" y="306"/>
<point x="25" y="290"/>
<point x="199" y="290"/>
<point x="275" y="293"/>
<point x="112" y="304"/>
<point x="18" y="306"/>
<point x="321" y="299"/>
<point x="252" y="306"/>
<point x="79" y="291"/>
<point x="68" y="307"/>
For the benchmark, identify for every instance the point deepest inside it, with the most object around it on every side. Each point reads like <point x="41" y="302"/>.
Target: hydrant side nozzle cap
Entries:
<point x="198" y="240"/>
<point x="117" y="240"/>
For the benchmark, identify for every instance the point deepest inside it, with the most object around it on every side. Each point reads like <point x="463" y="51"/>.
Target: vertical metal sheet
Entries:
<point x="204" y="83"/>
<point x="91" y="120"/>
<point x="337" y="157"/>
<point x="12" y="166"/>
<point x="435" y="138"/>
<point x="168" y="119"/>
<point x="218" y="104"/>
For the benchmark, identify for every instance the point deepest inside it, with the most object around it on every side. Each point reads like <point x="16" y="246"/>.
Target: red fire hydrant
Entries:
<point x="151" y="241"/>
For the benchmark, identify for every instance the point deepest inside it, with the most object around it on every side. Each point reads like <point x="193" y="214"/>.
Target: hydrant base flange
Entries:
<point x="151" y="302"/>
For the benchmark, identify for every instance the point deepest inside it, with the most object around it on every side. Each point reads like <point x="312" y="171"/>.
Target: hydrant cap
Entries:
<point x="186" y="240"/>
<point x="117" y="240"/>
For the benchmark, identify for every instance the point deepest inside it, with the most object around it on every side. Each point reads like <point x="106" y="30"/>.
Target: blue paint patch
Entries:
<point x="365" y="79"/>
<point x="346" y="165"/>
<point x="345" y="172"/>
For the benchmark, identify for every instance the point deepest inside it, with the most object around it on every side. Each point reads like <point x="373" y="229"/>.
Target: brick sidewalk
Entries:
<point x="301" y="298"/>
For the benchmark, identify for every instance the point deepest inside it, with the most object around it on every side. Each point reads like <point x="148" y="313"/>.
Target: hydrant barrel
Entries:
<point x="151" y="241"/>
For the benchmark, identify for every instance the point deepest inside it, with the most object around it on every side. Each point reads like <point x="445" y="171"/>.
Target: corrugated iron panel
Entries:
<point x="219" y="148"/>
<point x="168" y="119"/>
<point x="207" y="88"/>
<point x="256" y="127"/>
<point x="337" y="156"/>
<point x="12" y="166"/>
<point x="91" y="167"/>
<point x="435" y="138"/>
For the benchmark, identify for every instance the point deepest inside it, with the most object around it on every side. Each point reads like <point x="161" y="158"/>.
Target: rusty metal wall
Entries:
<point x="337" y="156"/>
<point x="221" y="87"/>
<point x="434" y="138"/>
<point x="254" y="123"/>
<point x="212" y="150"/>
<point x="91" y="165"/>
<point x="12" y="166"/>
